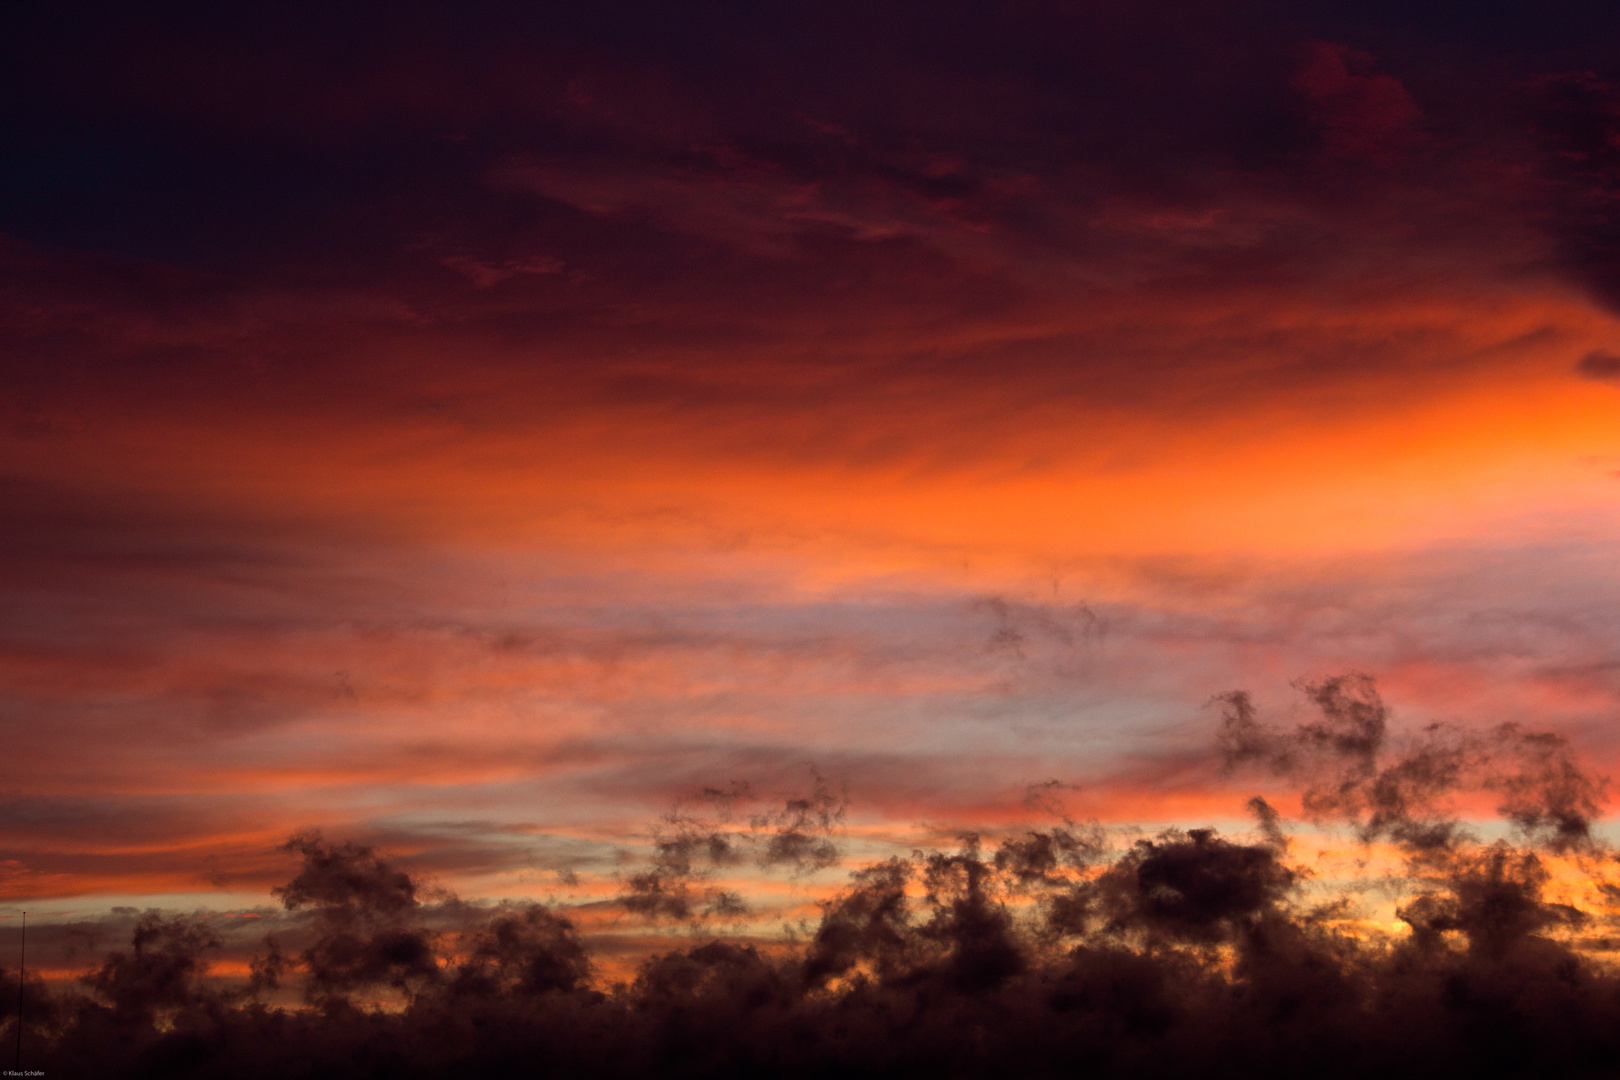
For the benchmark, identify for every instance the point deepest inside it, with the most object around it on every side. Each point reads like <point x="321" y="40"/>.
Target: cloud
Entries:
<point x="689" y="848"/>
<point x="1133" y="951"/>
<point x="1578" y="114"/>
<point x="1352" y="770"/>
<point x="1363" y="114"/>
<point x="161" y="970"/>
<point x="1599" y="365"/>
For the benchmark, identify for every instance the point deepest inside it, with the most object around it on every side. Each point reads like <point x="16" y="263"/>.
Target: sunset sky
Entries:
<point x="474" y="432"/>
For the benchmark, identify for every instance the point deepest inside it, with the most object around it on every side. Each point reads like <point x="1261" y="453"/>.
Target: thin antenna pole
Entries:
<point x="22" y="972"/>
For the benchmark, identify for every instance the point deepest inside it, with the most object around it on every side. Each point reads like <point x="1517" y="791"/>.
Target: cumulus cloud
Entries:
<point x="1354" y="769"/>
<point x="688" y="848"/>
<point x="1178" y="953"/>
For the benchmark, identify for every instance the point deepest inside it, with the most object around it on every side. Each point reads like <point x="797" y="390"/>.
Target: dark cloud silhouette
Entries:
<point x="1270" y="822"/>
<point x="685" y="853"/>
<point x="1185" y="954"/>
<point x="1546" y="792"/>
<point x="870" y="923"/>
<point x="524" y="950"/>
<point x="1578" y="119"/>
<point x="1599" y="365"/>
<point x="160" y="971"/>
<point x="689" y="847"/>
<point x="1193" y="887"/>
<point x="800" y="835"/>
<point x="1352" y="769"/>
<point x="367" y="916"/>
<point x="1494" y="901"/>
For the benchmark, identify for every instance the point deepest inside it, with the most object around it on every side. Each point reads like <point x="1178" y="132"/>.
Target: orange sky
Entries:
<point x="624" y="437"/>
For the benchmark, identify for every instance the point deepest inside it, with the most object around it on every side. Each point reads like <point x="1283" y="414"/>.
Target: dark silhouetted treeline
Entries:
<point x="1053" y="953"/>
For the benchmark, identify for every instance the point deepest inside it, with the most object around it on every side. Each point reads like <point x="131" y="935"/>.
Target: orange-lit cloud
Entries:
<point x="617" y="433"/>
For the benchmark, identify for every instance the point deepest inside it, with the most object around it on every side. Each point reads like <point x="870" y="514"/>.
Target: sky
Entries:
<point x="475" y="432"/>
